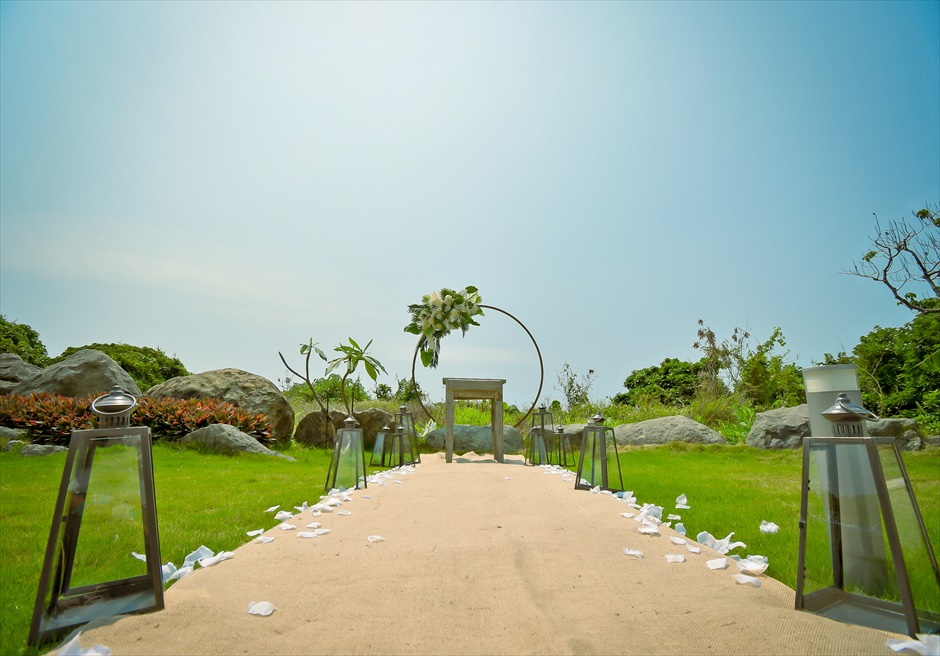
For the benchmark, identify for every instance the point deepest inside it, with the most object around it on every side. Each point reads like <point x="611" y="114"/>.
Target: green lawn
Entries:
<point x="214" y="499"/>
<point x="201" y="499"/>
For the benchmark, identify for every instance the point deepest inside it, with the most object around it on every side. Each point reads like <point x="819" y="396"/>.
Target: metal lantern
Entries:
<point x="865" y="557"/>
<point x="561" y="449"/>
<point x="537" y="453"/>
<point x="380" y="451"/>
<point x="409" y="454"/>
<point x="599" y="464"/>
<point x="348" y="464"/>
<point x="105" y="515"/>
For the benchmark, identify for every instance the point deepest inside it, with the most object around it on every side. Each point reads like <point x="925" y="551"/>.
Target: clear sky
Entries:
<point x="225" y="180"/>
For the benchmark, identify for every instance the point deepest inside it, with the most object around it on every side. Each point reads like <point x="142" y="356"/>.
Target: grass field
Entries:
<point x="214" y="499"/>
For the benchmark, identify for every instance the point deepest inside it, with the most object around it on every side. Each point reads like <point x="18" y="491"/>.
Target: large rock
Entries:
<point x="371" y="421"/>
<point x="42" y="450"/>
<point x="228" y="439"/>
<point x="315" y="430"/>
<point x="574" y="433"/>
<point x="665" y="430"/>
<point x="782" y="428"/>
<point x="902" y="429"/>
<point x="13" y="371"/>
<point x="785" y="428"/>
<point x="86" y="372"/>
<point x="7" y="433"/>
<point x="247" y="391"/>
<point x="475" y="438"/>
<point x="312" y="432"/>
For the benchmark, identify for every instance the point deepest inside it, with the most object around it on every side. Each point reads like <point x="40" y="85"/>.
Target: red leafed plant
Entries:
<point x="50" y="419"/>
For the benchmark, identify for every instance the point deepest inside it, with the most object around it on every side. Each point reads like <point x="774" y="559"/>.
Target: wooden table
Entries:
<point x="476" y="389"/>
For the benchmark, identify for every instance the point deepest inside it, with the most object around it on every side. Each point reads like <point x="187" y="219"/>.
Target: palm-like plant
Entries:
<point x="308" y="349"/>
<point x="352" y="356"/>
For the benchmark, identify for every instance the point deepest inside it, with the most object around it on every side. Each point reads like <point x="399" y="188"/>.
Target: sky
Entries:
<point x="227" y="180"/>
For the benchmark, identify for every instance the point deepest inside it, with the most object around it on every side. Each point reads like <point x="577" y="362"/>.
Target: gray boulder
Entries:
<point x="13" y="371"/>
<point x="665" y="430"/>
<point x="12" y="433"/>
<point x="574" y="433"/>
<point x="86" y="372"/>
<point x="247" y="391"/>
<point x="785" y="428"/>
<point x="902" y="429"/>
<point x="475" y="438"/>
<point x="42" y="449"/>
<point x="781" y="428"/>
<point x="228" y="439"/>
<point x="12" y="444"/>
<point x="315" y="430"/>
<point x="370" y="420"/>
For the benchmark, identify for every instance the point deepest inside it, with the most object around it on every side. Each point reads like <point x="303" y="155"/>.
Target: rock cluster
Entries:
<point x="247" y="391"/>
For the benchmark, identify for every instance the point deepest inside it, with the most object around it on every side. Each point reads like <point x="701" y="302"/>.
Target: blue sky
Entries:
<point x="226" y="180"/>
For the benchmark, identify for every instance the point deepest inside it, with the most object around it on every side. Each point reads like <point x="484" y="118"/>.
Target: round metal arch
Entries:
<point x="519" y="423"/>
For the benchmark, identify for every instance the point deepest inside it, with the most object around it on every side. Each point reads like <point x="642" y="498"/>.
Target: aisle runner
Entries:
<point x="478" y="557"/>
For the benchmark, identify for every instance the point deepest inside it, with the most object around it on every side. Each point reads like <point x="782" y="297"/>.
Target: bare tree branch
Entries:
<point x="906" y="254"/>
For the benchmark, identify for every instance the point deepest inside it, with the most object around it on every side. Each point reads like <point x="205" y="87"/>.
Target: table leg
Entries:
<point x="449" y="430"/>
<point x="498" y="428"/>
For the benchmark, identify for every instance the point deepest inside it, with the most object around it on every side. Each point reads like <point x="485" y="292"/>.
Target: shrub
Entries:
<point x="50" y="419"/>
<point x="147" y="366"/>
<point x="672" y="382"/>
<point x="21" y="340"/>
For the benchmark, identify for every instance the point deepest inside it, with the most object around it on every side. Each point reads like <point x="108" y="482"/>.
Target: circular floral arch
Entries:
<point x="414" y="362"/>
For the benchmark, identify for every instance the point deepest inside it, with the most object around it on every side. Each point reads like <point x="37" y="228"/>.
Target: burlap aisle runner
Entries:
<point x="478" y="558"/>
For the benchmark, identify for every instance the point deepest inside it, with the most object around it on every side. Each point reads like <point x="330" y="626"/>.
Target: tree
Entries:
<point x="406" y="391"/>
<point x="22" y="340"/>
<point x="889" y="358"/>
<point x="575" y="388"/>
<point x="906" y="255"/>
<point x="673" y="382"/>
<point x="753" y="374"/>
<point x="147" y="366"/>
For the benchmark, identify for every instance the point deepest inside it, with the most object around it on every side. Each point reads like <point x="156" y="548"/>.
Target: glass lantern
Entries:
<point x="381" y="450"/>
<point x="537" y="453"/>
<point x="103" y="554"/>
<point x="599" y="464"/>
<point x="865" y="557"/>
<point x="561" y="449"/>
<point x="348" y="464"/>
<point x="409" y="454"/>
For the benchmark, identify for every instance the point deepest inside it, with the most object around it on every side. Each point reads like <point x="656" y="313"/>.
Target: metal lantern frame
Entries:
<point x="408" y="441"/>
<point x="382" y="448"/>
<point x="348" y="451"/>
<point x="538" y="453"/>
<point x="862" y="497"/>
<point x="63" y="599"/>
<point x="594" y="440"/>
<point x="561" y="449"/>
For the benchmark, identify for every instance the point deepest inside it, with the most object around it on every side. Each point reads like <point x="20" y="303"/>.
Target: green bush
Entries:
<point x="674" y="381"/>
<point x="50" y="419"/>
<point x="147" y="366"/>
<point x="21" y="340"/>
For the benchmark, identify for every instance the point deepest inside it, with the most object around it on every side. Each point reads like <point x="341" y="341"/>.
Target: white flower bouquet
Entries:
<point x="437" y="315"/>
